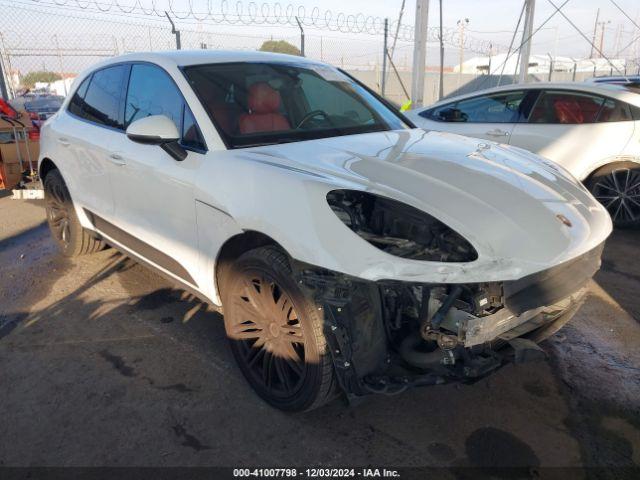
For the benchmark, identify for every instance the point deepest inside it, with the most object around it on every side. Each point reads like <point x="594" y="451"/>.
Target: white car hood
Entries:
<point x="510" y="204"/>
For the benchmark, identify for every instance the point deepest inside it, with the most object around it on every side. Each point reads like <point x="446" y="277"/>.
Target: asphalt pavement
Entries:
<point x="103" y="362"/>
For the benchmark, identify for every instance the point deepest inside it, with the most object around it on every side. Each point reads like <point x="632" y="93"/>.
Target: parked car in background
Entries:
<point x="43" y="107"/>
<point x="630" y="80"/>
<point x="349" y="251"/>
<point x="592" y="130"/>
<point x="38" y="108"/>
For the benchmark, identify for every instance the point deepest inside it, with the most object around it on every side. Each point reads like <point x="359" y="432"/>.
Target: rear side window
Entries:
<point x="152" y="92"/>
<point x="497" y="108"/>
<point x="77" y="101"/>
<point x="102" y="100"/>
<point x="566" y="108"/>
<point x="614" y="111"/>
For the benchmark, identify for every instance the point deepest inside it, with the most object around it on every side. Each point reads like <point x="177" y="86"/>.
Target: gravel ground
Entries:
<point x="103" y="362"/>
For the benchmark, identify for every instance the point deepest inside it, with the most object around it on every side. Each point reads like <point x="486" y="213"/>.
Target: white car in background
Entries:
<point x="348" y="250"/>
<point x="592" y="130"/>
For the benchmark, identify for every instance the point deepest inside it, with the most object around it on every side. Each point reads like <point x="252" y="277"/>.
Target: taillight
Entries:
<point x="34" y="134"/>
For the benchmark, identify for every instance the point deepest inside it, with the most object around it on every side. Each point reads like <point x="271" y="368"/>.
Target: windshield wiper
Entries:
<point x="270" y="142"/>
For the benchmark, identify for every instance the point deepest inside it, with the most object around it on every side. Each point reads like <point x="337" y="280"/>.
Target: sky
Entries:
<point x="496" y="19"/>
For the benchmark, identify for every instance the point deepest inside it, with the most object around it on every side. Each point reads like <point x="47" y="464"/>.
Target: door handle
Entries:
<point x="497" y="133"/>
<point x="117" y="159"/>
<point x="63" y="141"/>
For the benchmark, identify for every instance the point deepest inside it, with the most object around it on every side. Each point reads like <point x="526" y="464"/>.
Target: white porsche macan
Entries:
<point x="347" y="250"/>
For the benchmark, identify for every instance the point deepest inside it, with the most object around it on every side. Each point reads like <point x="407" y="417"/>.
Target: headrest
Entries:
<point x="263" y="98"/>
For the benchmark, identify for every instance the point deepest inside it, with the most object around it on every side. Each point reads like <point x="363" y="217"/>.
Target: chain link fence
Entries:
<point x="47" y="43"/>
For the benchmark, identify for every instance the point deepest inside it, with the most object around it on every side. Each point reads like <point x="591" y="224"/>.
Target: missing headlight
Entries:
<point x="399" y="229"/>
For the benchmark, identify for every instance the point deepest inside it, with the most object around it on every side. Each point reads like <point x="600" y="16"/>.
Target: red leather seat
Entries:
<point x="568" y="111"/>
<point x="264" y="111"/>
<point x="224" y="116"/>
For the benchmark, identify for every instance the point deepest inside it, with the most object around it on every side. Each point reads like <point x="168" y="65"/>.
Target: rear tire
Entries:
<point x="276" y="332"/>
<point x="65" y="227"/>
<point x="617" y="187"/>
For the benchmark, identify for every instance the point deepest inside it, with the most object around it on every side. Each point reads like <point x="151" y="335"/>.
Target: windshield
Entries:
<point x="265" y="103"/>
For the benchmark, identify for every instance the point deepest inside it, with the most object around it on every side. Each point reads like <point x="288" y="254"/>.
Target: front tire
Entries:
<point x="617" y="187"/>
<point x="65" y="227"/>
<point x="276" y="332"/>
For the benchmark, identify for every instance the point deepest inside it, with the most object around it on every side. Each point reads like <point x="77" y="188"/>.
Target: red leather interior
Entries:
<point x="264" y="111"/>
<point x="568" y="111"/>
<point x="576" y="110"/>
<point x="223" y="116"/>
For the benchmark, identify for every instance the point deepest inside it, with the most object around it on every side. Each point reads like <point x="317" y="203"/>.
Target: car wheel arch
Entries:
<point x="608" y="163"/>
<point x="46" y="165"/>
<point x="237" y="245"/>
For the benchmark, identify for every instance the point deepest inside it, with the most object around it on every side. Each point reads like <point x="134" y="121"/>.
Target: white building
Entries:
<point x="59" y="87"/>
<point x="538" y="64"/>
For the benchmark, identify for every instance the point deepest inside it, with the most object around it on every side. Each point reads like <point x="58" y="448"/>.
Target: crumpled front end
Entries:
<point x="387" y="336"/>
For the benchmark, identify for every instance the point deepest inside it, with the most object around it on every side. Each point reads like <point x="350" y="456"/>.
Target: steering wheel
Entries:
<point x="310" y="115"/>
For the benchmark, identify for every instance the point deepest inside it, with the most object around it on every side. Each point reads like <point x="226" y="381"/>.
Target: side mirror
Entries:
<point x="157" y="130"/>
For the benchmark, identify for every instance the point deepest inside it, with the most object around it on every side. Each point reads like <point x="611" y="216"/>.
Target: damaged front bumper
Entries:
<point x="387" y="336"/>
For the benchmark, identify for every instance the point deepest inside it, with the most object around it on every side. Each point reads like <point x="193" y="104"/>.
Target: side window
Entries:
<point x="614" y="111"/>
<point x="566" y="108"/>
<point x="102" y="100"/>
<point x="497" y="108"/>
<point x="438" y="113"/>
<point x="191" y="136"/>
<point x="152" y="92"/>
<point x="635" y="112"/>
<point x="77" y="101"/>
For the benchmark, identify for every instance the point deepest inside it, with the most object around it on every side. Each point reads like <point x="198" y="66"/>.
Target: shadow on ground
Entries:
<point x="124" y="369"/>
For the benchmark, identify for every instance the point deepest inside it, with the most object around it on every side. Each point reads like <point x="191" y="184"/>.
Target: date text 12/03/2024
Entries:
<point x="316" y="473"/>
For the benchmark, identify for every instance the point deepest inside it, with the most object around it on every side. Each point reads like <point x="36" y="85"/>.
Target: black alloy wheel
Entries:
<point x="617" y="187"/>
<point x="64" y="225"/>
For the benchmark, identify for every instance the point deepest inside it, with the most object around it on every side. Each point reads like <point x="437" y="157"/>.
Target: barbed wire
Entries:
<point x="267" y="14"/>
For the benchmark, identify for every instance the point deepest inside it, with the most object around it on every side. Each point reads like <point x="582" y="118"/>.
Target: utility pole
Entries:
<point x="462" y="24"/>
<point x="419" y="52"/>
<point x="62" y="75"/>
<point x="441" y="89"/>
<point x="595" y="30"/>
<point x="619" y="34"/>
<point x="602" y="28"/>
<point x="526" y="40"/>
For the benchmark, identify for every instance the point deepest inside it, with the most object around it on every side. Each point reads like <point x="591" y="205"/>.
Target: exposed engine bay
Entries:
<point x="399" y="229"/>
<point x="387" y="336"/>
